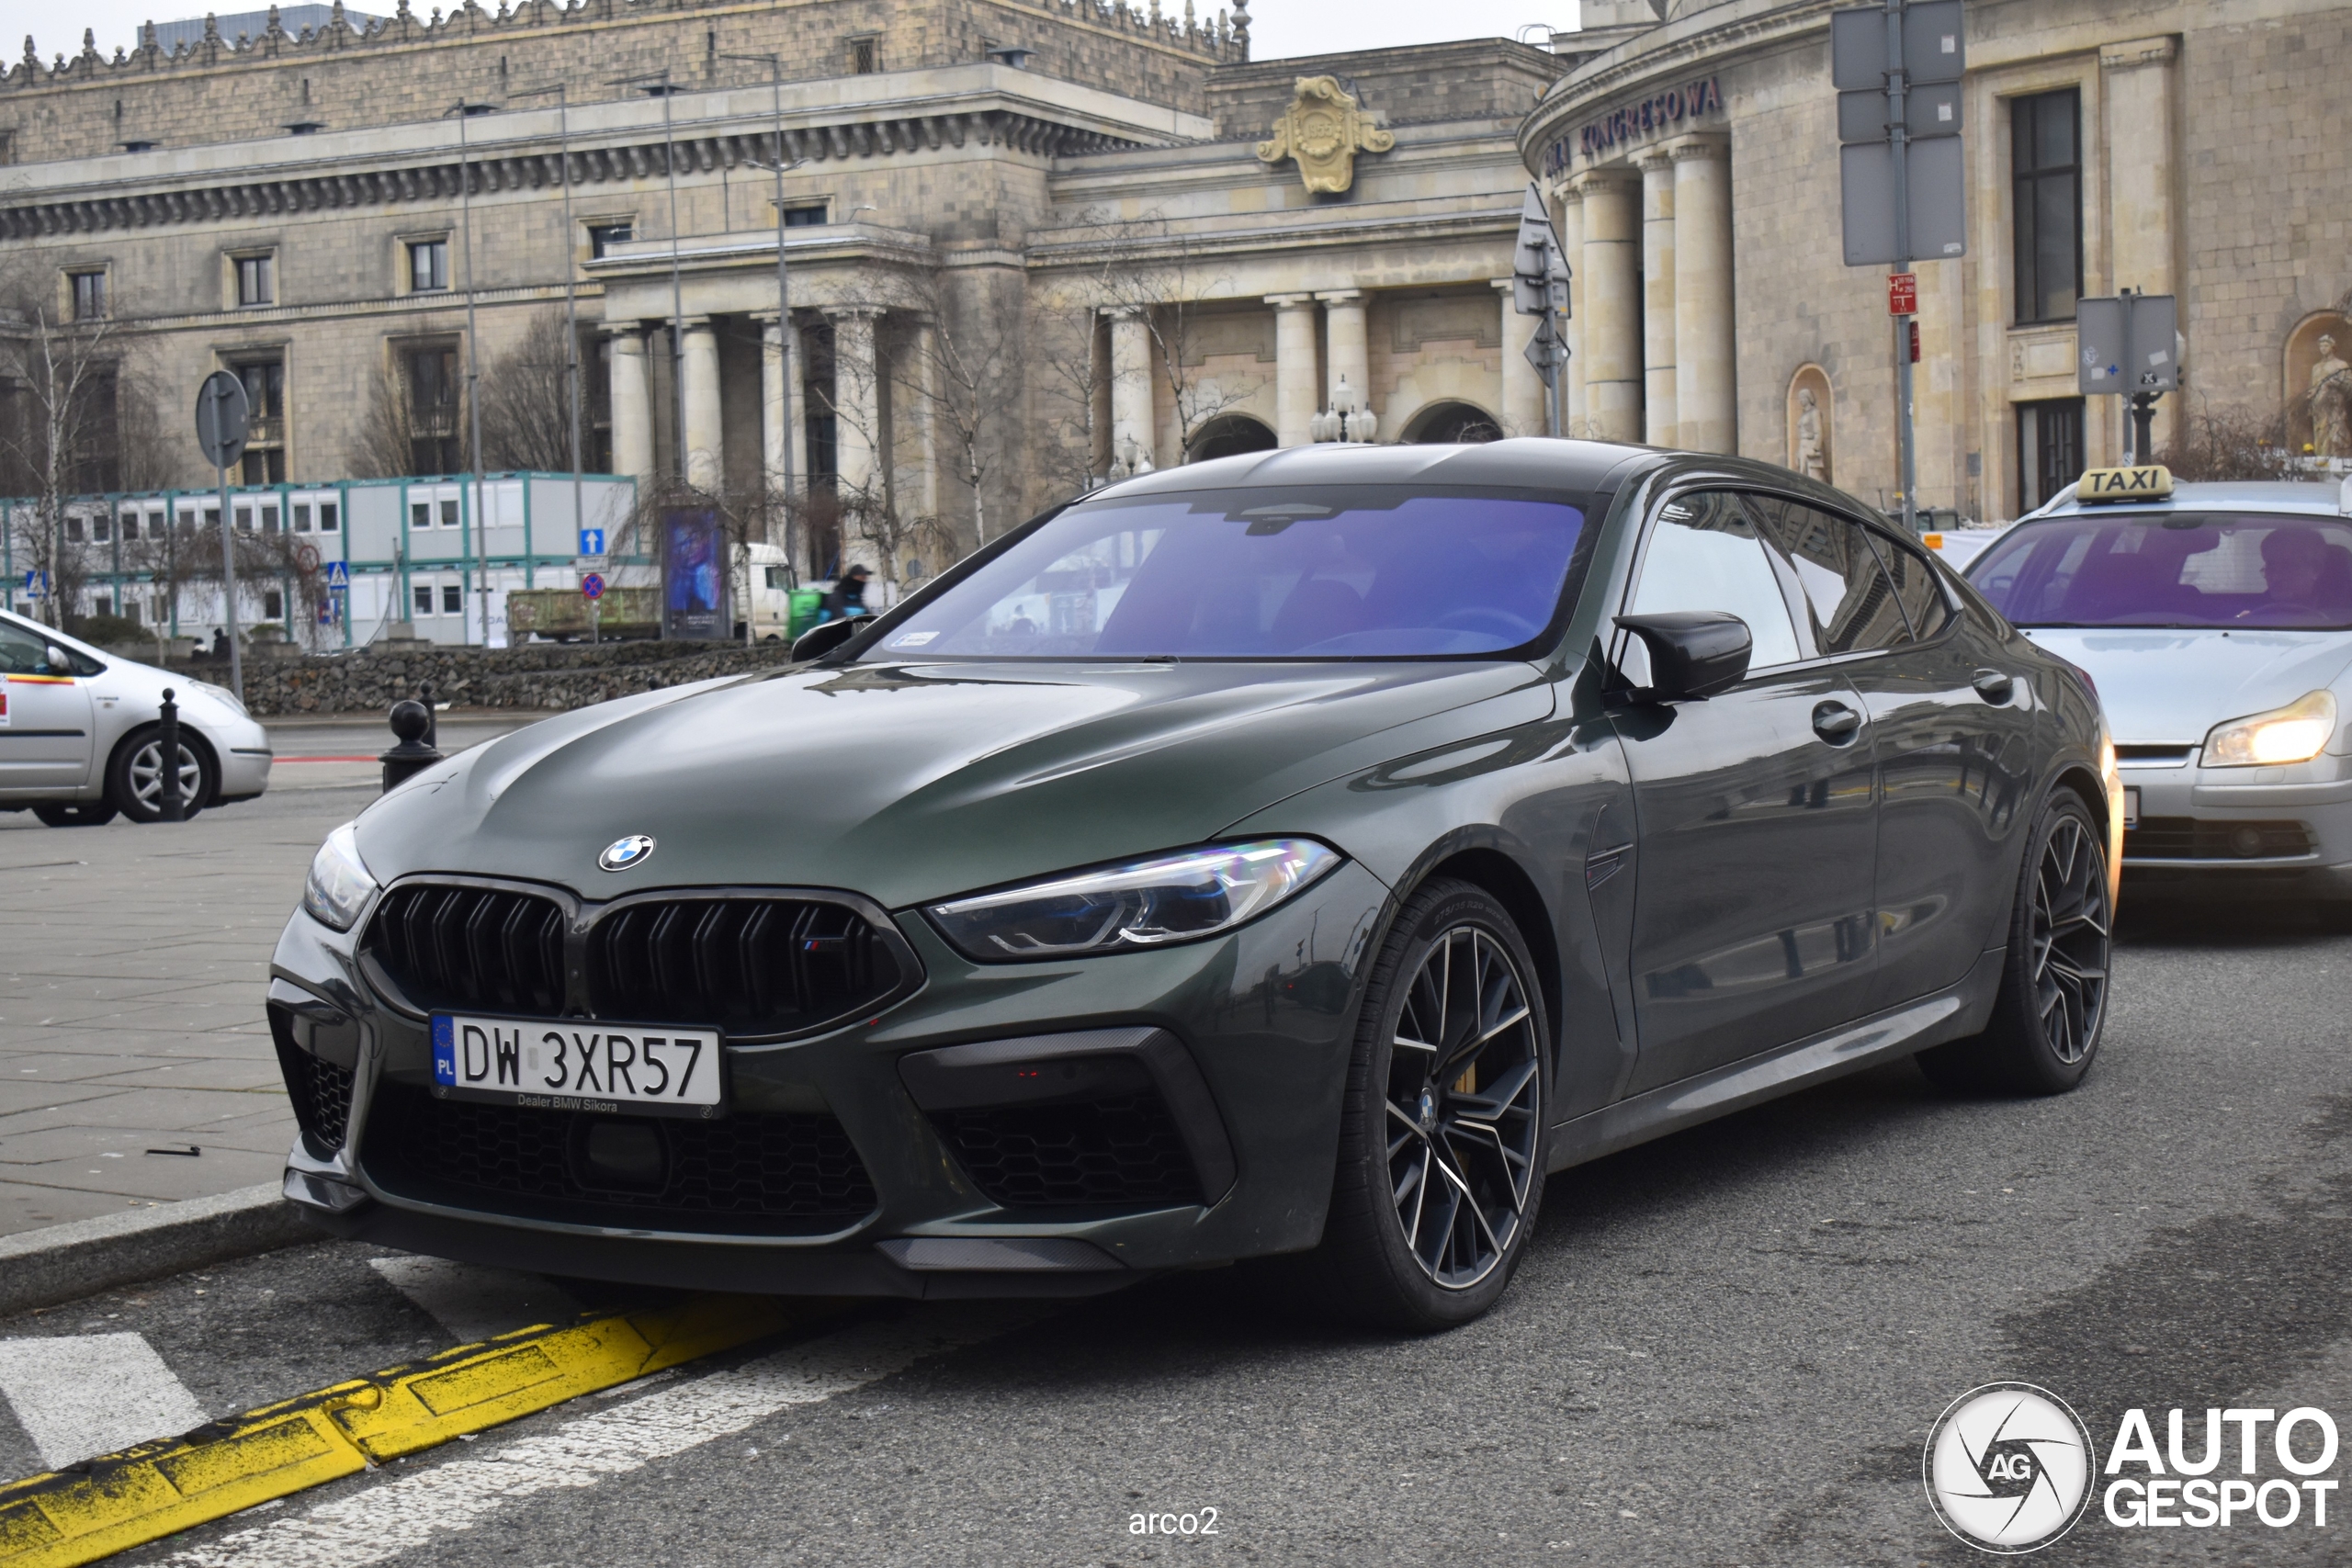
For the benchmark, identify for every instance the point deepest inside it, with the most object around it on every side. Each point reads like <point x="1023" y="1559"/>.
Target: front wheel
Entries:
<point x="2053" y="1007"/>
<point x="1441" y="1168"/>
<point x="135" y="776"/>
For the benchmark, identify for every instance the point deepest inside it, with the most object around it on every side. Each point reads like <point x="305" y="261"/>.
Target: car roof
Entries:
<point x="2217" y="495"/>
<point x="1524" y="462"/>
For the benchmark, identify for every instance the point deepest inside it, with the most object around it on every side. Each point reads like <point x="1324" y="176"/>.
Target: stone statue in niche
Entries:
<point x="1813" y="457"/>
<point x="1324" y="130"/>
<point x="2331" y="395"/>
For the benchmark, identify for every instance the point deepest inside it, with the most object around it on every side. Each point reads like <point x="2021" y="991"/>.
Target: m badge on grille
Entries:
<point x="623" y="853"/>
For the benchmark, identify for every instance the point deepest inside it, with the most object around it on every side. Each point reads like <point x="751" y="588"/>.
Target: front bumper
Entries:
<point x="1244" y="1041"/>
<point x="2283" y="831"/>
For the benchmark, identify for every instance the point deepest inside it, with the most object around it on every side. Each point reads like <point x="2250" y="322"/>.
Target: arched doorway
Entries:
<point x="1447" y="423"/>
<point x="1229" y="434"/>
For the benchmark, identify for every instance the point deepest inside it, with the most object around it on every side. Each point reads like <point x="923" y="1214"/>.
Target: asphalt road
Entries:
<point x="1725" y="1348"/>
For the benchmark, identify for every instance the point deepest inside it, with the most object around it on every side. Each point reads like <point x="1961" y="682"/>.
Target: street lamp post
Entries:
<point x="473" y="535"/>
<point x="659" y="87"/>
<point x="783" y="314"/>
<point x="570" y="291"/>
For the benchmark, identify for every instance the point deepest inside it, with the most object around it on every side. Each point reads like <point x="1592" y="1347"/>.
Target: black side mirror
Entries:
<point x="819" y="640"/>
<point x="1693" y="653"/>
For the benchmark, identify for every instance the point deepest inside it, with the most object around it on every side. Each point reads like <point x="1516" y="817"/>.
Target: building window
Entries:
<point x="129" y="526"/>
<point x="328" y="522"/>
<point x="265" y="460"/>
<point x="2050" y="449"/>
<point x="273" y="606"/>
<point x="433" y="410"/>
<point x="301" y="517"/>
<point x="73" y="530"/>
<point x="428" y="266"/>
<point x="2045" y="159"/>
<point x="808" y="217"/>
<point x="865" y="56"/>
<point x="258" y="280"/>
<point x="602" y="237"/>
<point x="423" y="598"/>
<point x="101" y="529"/>
<point x="450" y="513"/>
<point x="89" y="296"/>
<point x="453" y="599"/>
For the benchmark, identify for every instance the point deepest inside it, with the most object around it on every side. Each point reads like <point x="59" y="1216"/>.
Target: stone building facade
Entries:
<point x="2189" y="149"/>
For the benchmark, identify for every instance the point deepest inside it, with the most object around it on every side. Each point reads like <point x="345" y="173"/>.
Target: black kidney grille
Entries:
<point x="321" y="1095"/>
<point x="1117" y="1152"/>
<point x="749" y="1172"/>
<point x="743" y="965"/>
<point x="470" y="947"/>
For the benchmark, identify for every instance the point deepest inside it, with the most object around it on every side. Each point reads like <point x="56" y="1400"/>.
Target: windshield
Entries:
<point x="2170" y="569"/>
<point x="1371" y="572"/>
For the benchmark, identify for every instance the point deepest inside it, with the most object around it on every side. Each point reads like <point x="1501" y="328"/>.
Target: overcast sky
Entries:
<point x="1278" y="29"/>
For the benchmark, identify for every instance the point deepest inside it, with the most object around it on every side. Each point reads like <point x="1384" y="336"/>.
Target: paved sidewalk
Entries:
<point x="133" y="962"/>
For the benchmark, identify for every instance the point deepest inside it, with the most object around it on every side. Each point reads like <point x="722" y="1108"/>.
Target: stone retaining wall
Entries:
<point x="537" y="675"/>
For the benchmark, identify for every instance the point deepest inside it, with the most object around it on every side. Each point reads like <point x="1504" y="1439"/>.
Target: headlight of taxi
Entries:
<point x="339" y="885"/>
<point x="2295" y="733"/>
<point x="1152" y="903"/>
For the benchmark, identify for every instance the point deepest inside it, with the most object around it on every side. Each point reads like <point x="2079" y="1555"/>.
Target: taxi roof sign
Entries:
<point x="2152" y="483"/>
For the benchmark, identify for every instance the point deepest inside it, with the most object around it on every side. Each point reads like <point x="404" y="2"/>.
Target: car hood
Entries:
<point x="908" y="782"/>
<point x="2161" y="684"/>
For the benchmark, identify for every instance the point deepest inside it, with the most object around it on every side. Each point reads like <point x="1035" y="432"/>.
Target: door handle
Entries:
<point x="1994" y="686"/>
<point x="1836" y="723"/>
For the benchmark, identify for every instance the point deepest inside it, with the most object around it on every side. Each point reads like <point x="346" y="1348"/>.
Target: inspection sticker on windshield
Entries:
<point x="577" y="1066"/>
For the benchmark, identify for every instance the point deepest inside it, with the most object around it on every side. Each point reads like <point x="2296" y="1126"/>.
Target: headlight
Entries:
<point x="2295" y="733"/>
<point x="339" y="883"/>
<point x="1149" y="904"/>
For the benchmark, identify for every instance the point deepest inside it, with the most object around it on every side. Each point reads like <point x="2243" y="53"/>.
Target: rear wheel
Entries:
<point x="2053" y="1007"/>
<point x="1441" y="1168"/>
<point x="135" y="776"/>
<point x="76" y="813"/>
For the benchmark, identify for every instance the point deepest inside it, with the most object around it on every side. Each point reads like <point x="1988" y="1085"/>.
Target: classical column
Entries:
<point x="632" y="403"/>
<point x="776" y="407"/>
<point x="706" y="468"/>
<point x="1567" y="216"/>
<point x="1131" y="422"/>
<point x="1348" y="355"/>
<point x="1706" y="411"/>
<point x="2140" y="79"/>
<point x="1294" y="368"/>
<point x="857" y="423"/>
<point x="1612" y="336"/>
<point x="1658" y="404"/>
<point x="1523" y="402"/>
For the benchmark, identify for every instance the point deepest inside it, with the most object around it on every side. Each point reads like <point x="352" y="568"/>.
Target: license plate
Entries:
<point x="2131" y="806"/>
<point x="641" y="1068"/>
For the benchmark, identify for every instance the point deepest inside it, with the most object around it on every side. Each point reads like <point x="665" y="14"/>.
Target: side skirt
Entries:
<point x="1887" y="1036"/>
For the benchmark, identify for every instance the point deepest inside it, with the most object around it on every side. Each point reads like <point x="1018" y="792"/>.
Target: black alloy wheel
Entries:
<point x="2046" y="1023"/>
<point x="1441" y="1143"/>
<point x="135" y="777"/>
<point x="77" y="813"/>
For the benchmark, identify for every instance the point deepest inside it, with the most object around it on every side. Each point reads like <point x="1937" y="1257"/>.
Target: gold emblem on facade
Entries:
<point x="1324" y="130"/>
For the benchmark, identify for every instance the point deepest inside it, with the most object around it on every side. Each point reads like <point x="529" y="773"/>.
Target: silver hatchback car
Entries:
<point x="2216" y="620"/>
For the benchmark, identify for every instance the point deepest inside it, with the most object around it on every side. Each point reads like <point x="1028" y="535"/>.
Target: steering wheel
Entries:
<point x="1483" y="618"/>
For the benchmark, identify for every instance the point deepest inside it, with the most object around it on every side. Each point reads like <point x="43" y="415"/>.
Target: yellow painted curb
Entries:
<point x="110" y="1504"/>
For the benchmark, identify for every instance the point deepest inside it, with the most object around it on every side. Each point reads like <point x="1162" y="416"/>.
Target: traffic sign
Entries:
<point x="1547" y="349"/>
<point x="221" y="418"/>
<point x="593" y="585"/>
<point x="338" y="576"/>
<point x="2128" y="344"/>
<point x="1902" y="294"/>
<point x="591" y="541"/>
<point x="1539" y="272"/>
<point x="36" y="584"/>
<point x="307" y="557"/>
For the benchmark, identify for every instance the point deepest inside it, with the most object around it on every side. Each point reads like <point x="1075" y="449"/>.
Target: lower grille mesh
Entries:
<point x="752" y="1172"/>
<point x="321" y="1095"/>
<point x="1105" y="1153"/>
<point x="2200" y="838"/>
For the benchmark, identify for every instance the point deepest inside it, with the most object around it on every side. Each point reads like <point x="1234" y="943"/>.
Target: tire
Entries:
<point x="132" y="777"/>
<point x="1394" y="1254"/>
<point x="2047" y="1021"/>
<point x="77" y="814"/>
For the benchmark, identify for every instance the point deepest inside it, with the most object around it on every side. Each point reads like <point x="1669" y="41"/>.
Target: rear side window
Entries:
<point x="1704" y="554"/>
<point x="1916" y="588"/>
<point x="1847" y="595"/>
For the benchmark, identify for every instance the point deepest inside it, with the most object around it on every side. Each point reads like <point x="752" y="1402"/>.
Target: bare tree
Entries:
<point x="527" y="402"/>
<point x="416" y="422"/>
<point x="958" y="368"/>
<point x="1148" y="266"/>
<point x="2232" y="444"/>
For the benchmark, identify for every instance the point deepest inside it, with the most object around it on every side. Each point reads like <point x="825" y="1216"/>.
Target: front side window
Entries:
<point x="2158" y="570"/>
<point x="2046" y="211"/>
<point x="1849" y="602"/>
<point x="89" y="296"/>
<point x="21" y="653"/>
<point x="428" y="266"/>
<point x="1916" y="588"/>
<point x="258" y="280"/>
<point x="1703" y="554"/>
<point x="1369" y="572"/>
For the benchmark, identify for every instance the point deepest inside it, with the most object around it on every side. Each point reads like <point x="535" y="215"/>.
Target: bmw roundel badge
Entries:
<point x="623" y="853"/>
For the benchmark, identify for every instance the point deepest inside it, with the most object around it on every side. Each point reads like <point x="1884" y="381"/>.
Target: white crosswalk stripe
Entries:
<point x="474" y="1302"/>
<point x="86" y="1394"/>
<point x="392" y="1516"/>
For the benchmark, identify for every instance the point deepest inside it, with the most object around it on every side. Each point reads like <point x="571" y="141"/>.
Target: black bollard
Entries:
<point x="431" y="713"/>
<point x="412" y="723"/>
<point x="169" y="807"/>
